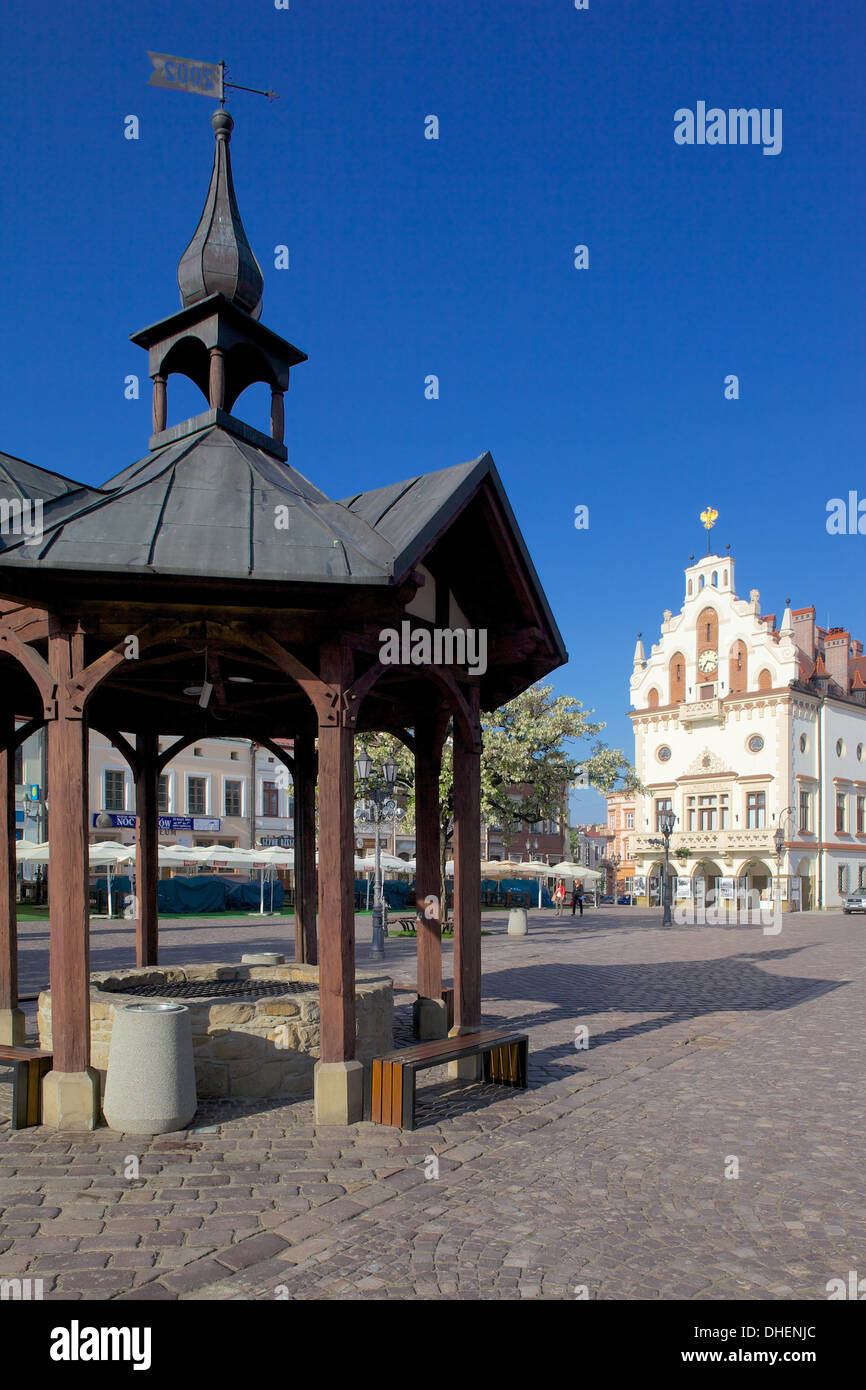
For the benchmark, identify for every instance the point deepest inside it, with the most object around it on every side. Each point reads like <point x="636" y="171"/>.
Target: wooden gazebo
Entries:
<point x="211" y="559"/>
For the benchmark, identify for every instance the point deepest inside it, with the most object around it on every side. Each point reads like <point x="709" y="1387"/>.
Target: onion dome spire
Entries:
<point x="219" y="259"/>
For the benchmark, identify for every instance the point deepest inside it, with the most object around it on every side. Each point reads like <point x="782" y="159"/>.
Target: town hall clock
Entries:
<point x="708" y="660"/>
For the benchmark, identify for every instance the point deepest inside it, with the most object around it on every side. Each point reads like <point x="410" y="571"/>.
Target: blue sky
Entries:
<point x="409" y="256"/>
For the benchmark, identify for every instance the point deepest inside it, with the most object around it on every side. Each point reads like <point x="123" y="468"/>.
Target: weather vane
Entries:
<point x="193" y="75"/>
<point x="709" y="517"/>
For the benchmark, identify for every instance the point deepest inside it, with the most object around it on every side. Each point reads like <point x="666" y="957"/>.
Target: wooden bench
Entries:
<point x="389" y="1094"/>
<point x="406" y="924"/>
<point x="30" y="1066"/>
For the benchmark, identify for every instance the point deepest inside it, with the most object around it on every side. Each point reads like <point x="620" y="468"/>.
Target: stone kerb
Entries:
<point x="253" y="1048"/>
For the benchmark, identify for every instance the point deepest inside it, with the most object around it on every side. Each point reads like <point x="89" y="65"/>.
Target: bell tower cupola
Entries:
<point x="216" y="338"/>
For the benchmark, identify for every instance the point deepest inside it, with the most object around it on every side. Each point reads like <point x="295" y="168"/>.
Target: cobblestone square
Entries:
<point x="712" y="1051"/>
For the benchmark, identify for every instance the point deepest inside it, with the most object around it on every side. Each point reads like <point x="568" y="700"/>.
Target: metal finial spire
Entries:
<point x="219" y="259"/>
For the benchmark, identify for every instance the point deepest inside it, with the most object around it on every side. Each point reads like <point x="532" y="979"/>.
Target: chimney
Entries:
<point x="836" y="646"/>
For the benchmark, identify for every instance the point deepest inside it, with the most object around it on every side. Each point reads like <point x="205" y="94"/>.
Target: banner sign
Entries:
<point x="684" y="888"/>
<point x="122" y="821"/>
<point x="726" y="889"/>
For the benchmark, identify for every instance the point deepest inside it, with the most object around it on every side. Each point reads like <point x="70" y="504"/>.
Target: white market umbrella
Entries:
<point x="270" y="857"/>
<point x="29" y="852"/>
<point x="109" y="854"/>
<point x="531" y="868"/>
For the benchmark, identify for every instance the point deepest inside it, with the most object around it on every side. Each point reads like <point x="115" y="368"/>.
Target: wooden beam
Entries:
<point x="8" y="869"/>
<point x="69" y="872"/>
<point x="336" y="866"/>
<point x="429" y="738"/>
<point x="467" y="871"/>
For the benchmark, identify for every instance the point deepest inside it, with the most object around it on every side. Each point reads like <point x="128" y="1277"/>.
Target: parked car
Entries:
<point x="625" y="898"/>
<point x="854" y="902"/>
<point x="606" y="898"/>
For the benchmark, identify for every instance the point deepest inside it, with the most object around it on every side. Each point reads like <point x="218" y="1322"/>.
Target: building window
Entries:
<point x="859" y="752"/>
<point x="841" y="799"/>
<point x="756" y="743"/>
<point x="232" y="803"/>
<point x="840" y="748"/>
<point x="198" y="752"/>
<point x="723" y="813"/>
<point x="804" y="743"/>
<point x="690" y="812"/>
<point x="756" y="810"/>
<point x="715" y="580"/>
<point x="162" y="795"/>
<point x="196" y="796"/>
<point x="663" y="753"/>
<point x="706" y="813"/>
<point x="806" y="812"/>
<point x="115" y="791"/>
<point x="843" y="878"/>
<point x="861" y="814"/>
<point x="765" y="680"/>
<point x="663" y="803"/>
<point x="629" y="820"/>
<point x="270" y="799"/>
<point x="19" y="766"/>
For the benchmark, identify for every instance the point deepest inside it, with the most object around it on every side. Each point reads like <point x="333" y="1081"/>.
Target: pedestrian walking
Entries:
<point x="580" y="899"/>
<point x="559" y="897"/>
<point x="575" y="893"/>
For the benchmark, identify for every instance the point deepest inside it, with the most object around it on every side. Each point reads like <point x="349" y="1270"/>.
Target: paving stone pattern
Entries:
<point x="605" y="1179"/>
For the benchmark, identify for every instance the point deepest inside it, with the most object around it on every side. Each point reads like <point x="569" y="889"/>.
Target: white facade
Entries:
<point x="738" y="732"/>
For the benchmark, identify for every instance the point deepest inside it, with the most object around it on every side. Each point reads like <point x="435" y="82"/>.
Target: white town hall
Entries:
<point x="743" y="728"/>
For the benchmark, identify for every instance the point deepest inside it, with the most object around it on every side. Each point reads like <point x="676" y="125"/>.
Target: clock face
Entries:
<point x="708" y="660"/>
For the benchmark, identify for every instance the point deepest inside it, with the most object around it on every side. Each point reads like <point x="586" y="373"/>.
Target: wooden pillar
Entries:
<point x="11" y="1017"/>
<point x="428" y="762"/>
<point x="467" y="872"/>
<point x="217" y="380"/>
<point x="159" y="404"/>
<point x="306" y="942"/>
<point x="278" y="418"/>
<point x="147" y="849"/>
<point x="336" y="873"/>
<point x="71" y="1088"/>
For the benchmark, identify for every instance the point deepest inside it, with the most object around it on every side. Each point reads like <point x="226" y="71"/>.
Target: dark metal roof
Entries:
<point x="206" y="506"/>
<point x="25" y="482"/>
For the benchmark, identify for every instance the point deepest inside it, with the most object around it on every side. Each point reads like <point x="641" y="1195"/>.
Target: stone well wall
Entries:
<point x="257" y="1047"/>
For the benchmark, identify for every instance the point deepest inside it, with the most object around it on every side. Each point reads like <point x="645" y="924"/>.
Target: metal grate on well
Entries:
<point x="211" y="989"/>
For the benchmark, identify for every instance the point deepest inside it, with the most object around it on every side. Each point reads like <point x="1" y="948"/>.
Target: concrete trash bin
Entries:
<point x="518" y="924"/>
<point x="150" y="1084"/>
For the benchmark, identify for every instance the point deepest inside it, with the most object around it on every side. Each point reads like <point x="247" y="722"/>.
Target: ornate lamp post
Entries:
<point x="378" y="808"/>
<point x="614" y="860"/>
<point x="666" y="823"/>
<point x="779" y="842"/>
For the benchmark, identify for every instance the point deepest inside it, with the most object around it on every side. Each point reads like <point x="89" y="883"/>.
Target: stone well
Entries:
<point x="252" y="1047"/>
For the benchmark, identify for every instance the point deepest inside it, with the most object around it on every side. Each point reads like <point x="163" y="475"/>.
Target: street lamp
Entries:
<point x="380" y="808"/>
<point x="779" y="842"/>
<point x="666" y="824"/>
<point x="614" y="860"/>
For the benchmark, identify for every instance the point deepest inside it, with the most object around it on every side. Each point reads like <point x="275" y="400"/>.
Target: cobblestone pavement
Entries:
<point x="708" y="1047"/>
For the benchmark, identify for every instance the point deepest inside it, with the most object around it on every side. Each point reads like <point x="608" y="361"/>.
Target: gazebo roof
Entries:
<point x="26" y="482"/>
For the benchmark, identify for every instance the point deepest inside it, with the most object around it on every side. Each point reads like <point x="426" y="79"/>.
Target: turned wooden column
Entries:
<point x="11" y="1017"/>
<point x="147" y="849"/>
<point x="428" y="762"/>
<point x="68" y="871"/>
<point x="159" y="404"/>
<point x="467" y="871"/>
<point x="336" y="870"/>
<point x="306" y="943"/>
<point x="278" y="417"/>
<point x="217" y="380"/>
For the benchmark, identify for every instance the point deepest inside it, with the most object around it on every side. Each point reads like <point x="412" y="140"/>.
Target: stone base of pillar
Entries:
<point x="339" y="1093"/>
<point x="12" y="1027"/>
<point x="70" y="1099"/>
<point x="468" y="1068"/>
<point x="429" y="1019"/>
